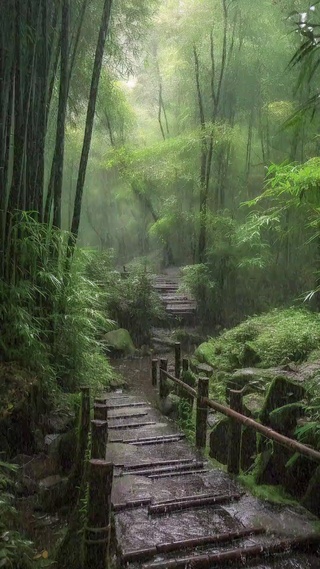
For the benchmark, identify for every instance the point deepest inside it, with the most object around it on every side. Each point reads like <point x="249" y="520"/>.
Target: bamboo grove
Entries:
<point x="39" y="46"/>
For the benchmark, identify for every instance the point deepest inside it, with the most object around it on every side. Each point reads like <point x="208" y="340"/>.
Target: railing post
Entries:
<point x="177" y="359"/>
<point x="100" y="412"/>
<point x="202" y="412"/>
<point x="235" y="432"/>
<point x="185" y="364"/>
<point x="99" y="439"/>
<point x="154" y="371"/>
<point x="163" y="391"/>
<point x="98" y="529"/>
<point x="101" y="400"/>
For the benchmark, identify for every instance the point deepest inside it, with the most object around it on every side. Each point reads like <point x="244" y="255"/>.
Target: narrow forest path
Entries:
<point x="177" y="304"/>
<point x="154" y="463"/>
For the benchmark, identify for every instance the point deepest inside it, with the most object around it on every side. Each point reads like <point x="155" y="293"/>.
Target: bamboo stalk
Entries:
<point x="166" y="469"/>
<point x="130" y="504"/>
<point x="132" y="425"/>
<point x="123" y="405"/>
<point x="159" y="509"/>
<point x="241" y="555"/>
<point x="139" y="554"/>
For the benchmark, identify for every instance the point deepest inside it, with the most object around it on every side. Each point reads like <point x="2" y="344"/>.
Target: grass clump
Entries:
<point x="272" y="339"/>
<point x="266" y="492"/>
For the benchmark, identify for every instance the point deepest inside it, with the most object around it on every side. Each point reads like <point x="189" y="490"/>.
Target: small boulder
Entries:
<point x="299" y="471"/>
<point x="281" y="392"/>
<point x="52" y="492"/>
<point x="219" y="441"/>
<point x="284" y="419"/>
<point x="219" y="444"/>
<point x="169" y="406"/>
<point x="119" y="342"/>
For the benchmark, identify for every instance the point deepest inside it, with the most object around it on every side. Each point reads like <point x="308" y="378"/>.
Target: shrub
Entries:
<point x="268" y="340"/>
<point x="130" y="298"/>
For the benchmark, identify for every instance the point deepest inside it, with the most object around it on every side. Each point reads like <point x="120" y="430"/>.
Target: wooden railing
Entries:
<point x="203" y="403"/>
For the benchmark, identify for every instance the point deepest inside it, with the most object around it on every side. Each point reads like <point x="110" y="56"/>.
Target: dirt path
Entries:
<point x="149" y="472"/>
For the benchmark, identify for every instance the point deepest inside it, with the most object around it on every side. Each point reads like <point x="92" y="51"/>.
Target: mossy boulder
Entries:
<point x="271" y="464"/>
<point x="299" y="471"/>
<point x="284" y="419"/>
<point x="272" y="339"/>
<point x="219" y="444"/>
<point x="219" y="441"/>
<point x="119" y="342"/>
<point x="281" y="392"/>
<point x="169" y="405"/>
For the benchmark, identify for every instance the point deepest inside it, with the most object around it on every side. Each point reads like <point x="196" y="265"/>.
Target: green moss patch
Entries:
<point x="273" y="494"/>
<point x="273" y="339"/>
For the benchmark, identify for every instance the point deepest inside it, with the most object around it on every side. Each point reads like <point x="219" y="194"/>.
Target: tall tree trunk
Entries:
<point x="58" y="159"/>
<point x="90" y="120"/>
<point x="203" y="165"/>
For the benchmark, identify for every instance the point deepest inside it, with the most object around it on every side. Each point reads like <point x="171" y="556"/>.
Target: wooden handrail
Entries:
<point x="265" y="431"/>
<point x="181" y="383"/>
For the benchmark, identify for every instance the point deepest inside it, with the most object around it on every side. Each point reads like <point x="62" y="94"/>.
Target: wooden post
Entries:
<point x="235" y="432"/>
<point x="101" y="400"/>
<point x="185" y="364"/>
<point x="154" y="374"/>
<point x="100" y="412"/>
<point x="177" y="359"/>
<point x="163" y="390"/>
<point x="99" y="439"/>
<point x="73" y="486"/>
<point x="202" y="412"/>
<point x="98" y="529"/>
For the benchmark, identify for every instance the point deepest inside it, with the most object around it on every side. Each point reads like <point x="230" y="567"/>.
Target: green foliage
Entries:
<point x="273" y="494"/>
<point x="130" y="301"/>
<point x="269" y="340"/>
<point x="15" y="550"/>
<point x="51" y="318"/>
<point x="186" y="420"/>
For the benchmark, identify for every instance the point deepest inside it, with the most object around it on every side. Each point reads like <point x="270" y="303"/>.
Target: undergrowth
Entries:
<point x="273" y="494"/>
<point x="130" y="299"/>
<point x="16" y="551"/>
<point x="52" y="316"/>
<point x="272" y="339"/>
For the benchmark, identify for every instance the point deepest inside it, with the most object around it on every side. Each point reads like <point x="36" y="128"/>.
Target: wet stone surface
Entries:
<point x="137" y="529"/>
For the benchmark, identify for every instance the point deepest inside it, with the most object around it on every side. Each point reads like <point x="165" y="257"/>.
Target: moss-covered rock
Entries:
<point x="219" y="441"/>
<point x="272" y="339"/>
<point x="219" y="444"/>
<point x="284" y="419"/>
<point x="311" y="499"/>
<point x="169" y="405"/>
<point x="271" y="464"/>
<point x="281" y="392"/>
<point x="119" y="342"/>
<point x="299" y="471"/>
